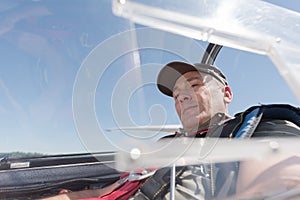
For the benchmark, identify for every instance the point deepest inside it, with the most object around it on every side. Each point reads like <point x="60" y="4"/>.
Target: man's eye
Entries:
<point x="198" y="84"/>
<point x="175" y="96"/>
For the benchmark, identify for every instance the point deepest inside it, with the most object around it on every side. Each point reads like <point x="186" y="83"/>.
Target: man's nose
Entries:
<point x="184" y="97"/>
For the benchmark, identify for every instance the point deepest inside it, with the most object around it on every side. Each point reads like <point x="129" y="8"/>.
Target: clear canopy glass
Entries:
<point x="77" y="78"/>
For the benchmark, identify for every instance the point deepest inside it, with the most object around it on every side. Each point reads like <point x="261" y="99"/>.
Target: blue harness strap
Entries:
<point x="250" y="123"/>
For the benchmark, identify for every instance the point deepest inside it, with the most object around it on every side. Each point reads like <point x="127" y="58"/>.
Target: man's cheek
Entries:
<point x="178" y="110"/>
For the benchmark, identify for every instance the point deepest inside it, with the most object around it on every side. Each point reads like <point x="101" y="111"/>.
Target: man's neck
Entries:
<point x="215" y="120"/>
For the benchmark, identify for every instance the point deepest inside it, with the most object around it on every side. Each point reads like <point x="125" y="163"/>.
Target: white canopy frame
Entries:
<point x="251" y="25"/>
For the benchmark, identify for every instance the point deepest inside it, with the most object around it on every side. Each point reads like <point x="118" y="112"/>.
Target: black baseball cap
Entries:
<point x="169" y="74"/>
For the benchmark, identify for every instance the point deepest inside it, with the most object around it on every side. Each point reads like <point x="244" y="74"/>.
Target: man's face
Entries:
<point x="197" y="99"/>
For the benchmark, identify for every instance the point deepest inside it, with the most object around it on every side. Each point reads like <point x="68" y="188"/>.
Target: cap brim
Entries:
<point x="169" y="74"/>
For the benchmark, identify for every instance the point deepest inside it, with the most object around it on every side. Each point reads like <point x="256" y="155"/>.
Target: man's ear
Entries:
<point x="227" y="94"/>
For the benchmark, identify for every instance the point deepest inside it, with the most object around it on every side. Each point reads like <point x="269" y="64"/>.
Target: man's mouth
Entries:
<point x="188" y="108"/>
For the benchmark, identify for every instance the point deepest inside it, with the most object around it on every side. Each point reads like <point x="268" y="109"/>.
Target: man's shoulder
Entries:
<point x="276" y="128"/>
<point x="264" y="120"/>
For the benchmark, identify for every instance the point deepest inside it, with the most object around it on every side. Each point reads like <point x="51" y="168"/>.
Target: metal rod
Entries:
<point x="172" y="182"/>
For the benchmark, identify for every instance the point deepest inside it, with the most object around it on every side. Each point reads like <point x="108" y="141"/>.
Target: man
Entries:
<point x="201" y="94"/>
